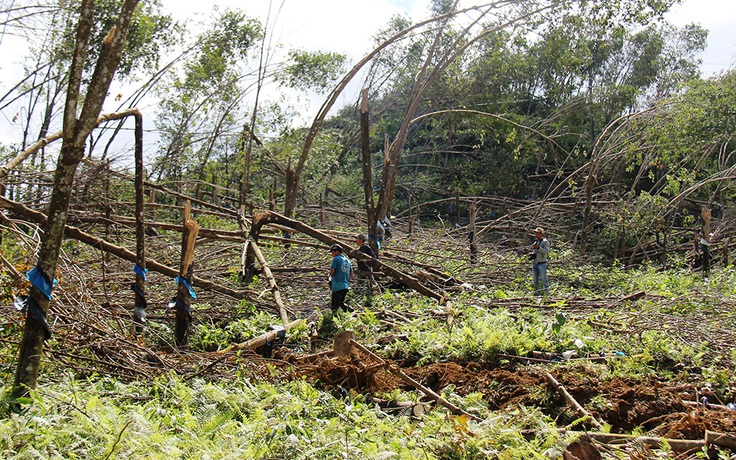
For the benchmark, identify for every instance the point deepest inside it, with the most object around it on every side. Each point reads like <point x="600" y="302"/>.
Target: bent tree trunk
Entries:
<point x="76" y="131"/>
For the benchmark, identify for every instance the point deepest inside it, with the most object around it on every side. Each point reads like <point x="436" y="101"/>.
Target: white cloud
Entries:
<point x="704" y="12"/>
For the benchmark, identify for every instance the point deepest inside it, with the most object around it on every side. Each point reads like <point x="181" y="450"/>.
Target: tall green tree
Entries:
<point x="200" y="106"/>
<point x="522" y="104"/>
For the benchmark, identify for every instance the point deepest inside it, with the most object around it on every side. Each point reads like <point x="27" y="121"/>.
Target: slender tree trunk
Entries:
<point x="184" y="293"/>
<point x="76" y="131"/>
<point x="139" y="287"/>
<point x="471" y="234"/>
<point x="370" y="208"/>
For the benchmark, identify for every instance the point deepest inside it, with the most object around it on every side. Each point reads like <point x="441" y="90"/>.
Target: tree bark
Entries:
<point x="262" y="339"/>
<point x="75" y="134"/>
<point x="184" y="294"/>
<point x="568" y="397"/>
<point x="139" y="315"/>
<point x="271" y="282"/>
<point x="427" y="391"/>
<point x="367" y="172"/>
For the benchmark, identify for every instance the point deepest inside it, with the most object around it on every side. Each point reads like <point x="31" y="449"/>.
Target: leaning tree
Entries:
<point x="80" y="118"/>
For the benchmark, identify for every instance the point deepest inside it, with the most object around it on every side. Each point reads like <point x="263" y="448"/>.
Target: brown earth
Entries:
<point x="658" y="406"/>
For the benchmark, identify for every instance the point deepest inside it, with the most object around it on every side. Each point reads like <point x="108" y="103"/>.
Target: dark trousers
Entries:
<point x="365" y="283"/>
<point x="338" y="299"/>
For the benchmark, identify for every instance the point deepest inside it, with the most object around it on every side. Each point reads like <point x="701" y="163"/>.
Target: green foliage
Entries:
<point x="213" y="337"/>
<point x="151" y="34"/>
<point x="295" y="419"/>
<point x="312" y="70"/>
<point x="198" y="419"/>
<point x="620" y="227"/>
<point x="216" y="66"/>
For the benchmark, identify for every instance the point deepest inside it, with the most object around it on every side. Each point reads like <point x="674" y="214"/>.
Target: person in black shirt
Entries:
<point x="365" y="281"/>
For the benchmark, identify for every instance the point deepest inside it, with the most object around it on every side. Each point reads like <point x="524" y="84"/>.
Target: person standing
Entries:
<point x="365" y="280"/>
<point x="540" y="250"/>
<point x="341" y="272"/>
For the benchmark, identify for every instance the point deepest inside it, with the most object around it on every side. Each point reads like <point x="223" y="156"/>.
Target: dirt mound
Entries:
<point x="661" y="408"/>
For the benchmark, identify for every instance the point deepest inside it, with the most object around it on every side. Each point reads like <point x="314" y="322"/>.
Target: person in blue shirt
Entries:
<point x="341" y="272"/>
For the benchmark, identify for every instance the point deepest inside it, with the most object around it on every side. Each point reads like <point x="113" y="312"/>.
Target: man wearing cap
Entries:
<point x="540" y="249"/>
<point x="341" y="272"/>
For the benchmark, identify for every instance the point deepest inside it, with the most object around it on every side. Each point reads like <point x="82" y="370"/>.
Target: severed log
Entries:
<point x="677" y="445"/>
<point x="261" y="340"/>
<point x="77" y="234"/>
<point x="568" y="397"/>
<point x="416" y="409"/>
<point x="721" y="439"/>
<point x="342" y="343"/>
<point x="427" y="391"/>
<point x="271" y="217"/>
<point x="271" y="281"/>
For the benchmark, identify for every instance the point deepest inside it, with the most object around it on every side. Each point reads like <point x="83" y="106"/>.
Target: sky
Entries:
<point x="719" y="17"/>
<point x="346" y="26"/>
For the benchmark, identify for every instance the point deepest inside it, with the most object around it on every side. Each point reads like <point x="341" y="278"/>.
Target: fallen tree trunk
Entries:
<point x="677" y="445"/>
<point x="271" y="281"/>
<point x="271" y="217"/>
<point x="568" y="397"/>
<point x="77" y="234"/>
<point x="427" y="391"/>
<point x="721" y="439"/>
<point x="261" y="340"/>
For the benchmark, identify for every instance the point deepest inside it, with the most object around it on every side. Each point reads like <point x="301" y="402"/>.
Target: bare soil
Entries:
<point x="659" y="406"/>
